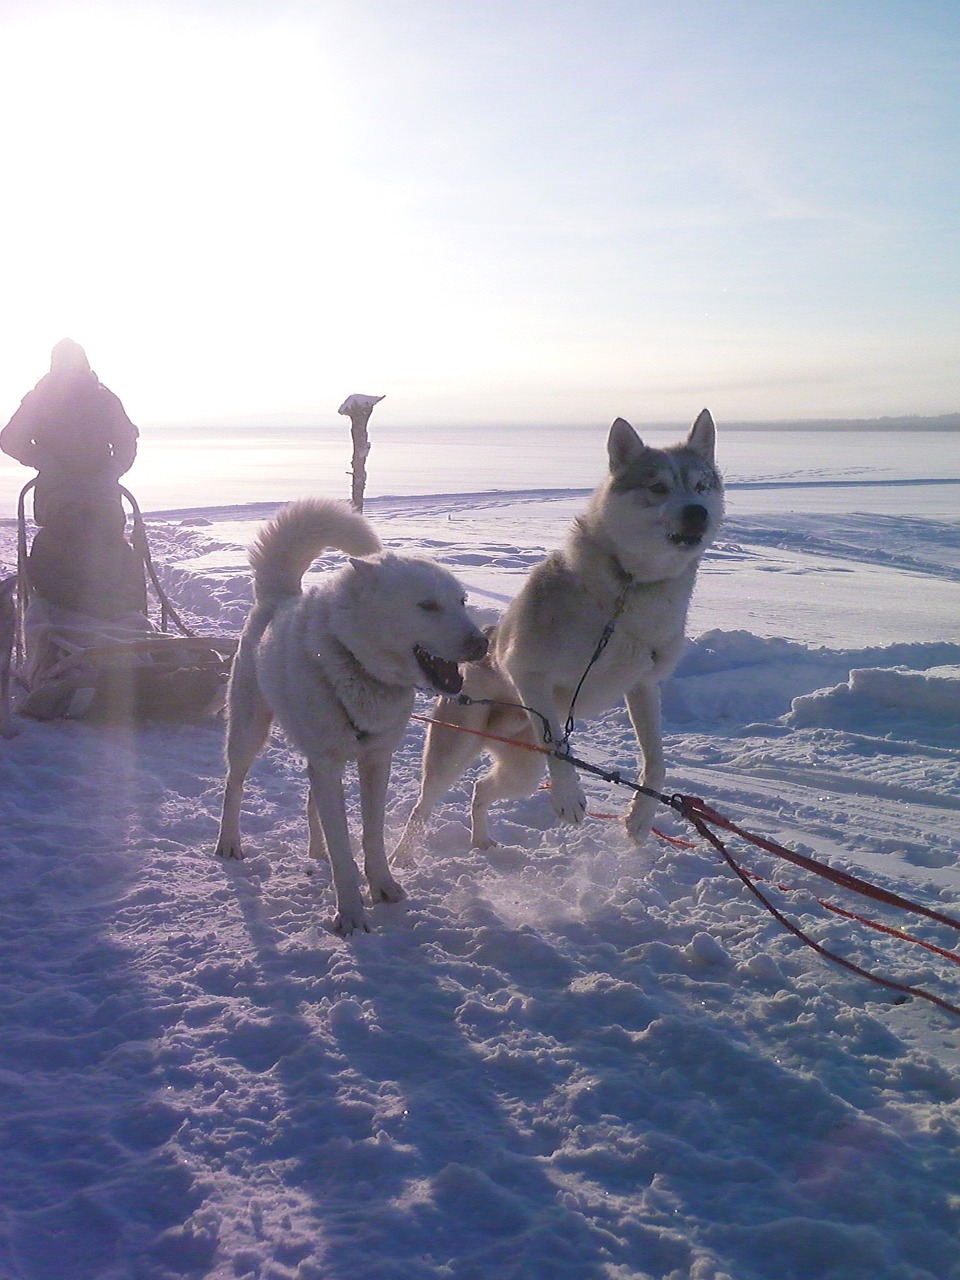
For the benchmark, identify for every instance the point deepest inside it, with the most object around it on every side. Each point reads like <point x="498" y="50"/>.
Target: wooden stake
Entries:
<point x="358" y="409"/>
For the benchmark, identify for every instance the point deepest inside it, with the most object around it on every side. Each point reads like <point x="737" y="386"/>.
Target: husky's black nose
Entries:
<point x="694" y="518"/>
<point x="475" y="648"/>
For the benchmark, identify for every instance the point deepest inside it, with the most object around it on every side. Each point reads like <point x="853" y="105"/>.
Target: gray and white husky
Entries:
<point x="630" y="563"/>
<point x="337" y="667"/>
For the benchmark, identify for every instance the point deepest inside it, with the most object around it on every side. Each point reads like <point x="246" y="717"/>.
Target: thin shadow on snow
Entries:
<point x="413" y="1167"/>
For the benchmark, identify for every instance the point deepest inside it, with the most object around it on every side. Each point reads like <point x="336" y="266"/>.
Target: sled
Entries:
<point x="75" y="666"/>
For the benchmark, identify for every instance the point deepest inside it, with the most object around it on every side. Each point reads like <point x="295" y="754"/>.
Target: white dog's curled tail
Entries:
<point x="286" y="547"/>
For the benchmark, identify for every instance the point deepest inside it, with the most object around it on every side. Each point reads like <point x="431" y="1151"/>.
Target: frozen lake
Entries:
<point x="766" y="470"/>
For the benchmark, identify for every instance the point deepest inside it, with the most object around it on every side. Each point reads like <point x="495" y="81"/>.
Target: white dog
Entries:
<point x="337" y="667"/>
<point x="599" y="621"/>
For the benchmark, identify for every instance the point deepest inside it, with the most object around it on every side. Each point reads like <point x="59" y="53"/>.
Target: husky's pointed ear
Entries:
<point x="623" y="445"/>
<point x="703" y="436"/>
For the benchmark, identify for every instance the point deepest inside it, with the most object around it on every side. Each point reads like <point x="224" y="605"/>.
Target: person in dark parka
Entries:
<point x="77" y="435"/>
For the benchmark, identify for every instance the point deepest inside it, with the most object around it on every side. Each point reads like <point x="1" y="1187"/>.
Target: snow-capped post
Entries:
<point x="358" y="409"/>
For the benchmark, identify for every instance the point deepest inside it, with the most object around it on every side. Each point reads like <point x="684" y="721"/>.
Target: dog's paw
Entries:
<point x="229" y="850"/>
<point x="405" y="854"/>
<point x="350" y="921"/>
<point x="568" y="800"/>
<point x="387" y="891"/>
<point x="639" y="819"/>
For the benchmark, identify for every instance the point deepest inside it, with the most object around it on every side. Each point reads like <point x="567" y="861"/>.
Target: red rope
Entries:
<point x="481" y="733"/>
<point x="861" y="919"/>
<point x="700" y="814"/>
<point x="797" y="932"/>
<point x="894" y="933"/>
<point x="698" y="811"/>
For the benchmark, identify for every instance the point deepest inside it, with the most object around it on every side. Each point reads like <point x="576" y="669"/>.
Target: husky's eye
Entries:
<point x="429" y="606"/>
<point x="660" y="488"/>
<point x="702" y="486"/>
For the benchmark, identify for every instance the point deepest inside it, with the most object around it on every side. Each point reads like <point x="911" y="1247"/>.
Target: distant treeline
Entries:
<point x="914" y="422"/>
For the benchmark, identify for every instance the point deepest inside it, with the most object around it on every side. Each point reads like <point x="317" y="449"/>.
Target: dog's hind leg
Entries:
<point x="516" y="773"/>
<point x="246" y="734"/>
<point x="643" y="704"/>
<point x="447" y="754"/>
<point x="326" y="790"/>
<point x="318" y="845"/>
<point x="374" y="771"/>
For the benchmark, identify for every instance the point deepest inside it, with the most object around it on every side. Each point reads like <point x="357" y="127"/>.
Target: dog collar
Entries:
<point x="626" y="581"/>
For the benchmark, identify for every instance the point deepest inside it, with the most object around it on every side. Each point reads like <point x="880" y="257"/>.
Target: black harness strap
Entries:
<point x="602" y="643"/>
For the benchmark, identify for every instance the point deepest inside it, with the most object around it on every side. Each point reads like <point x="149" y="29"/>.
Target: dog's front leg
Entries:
<point x="643" y="704"/>
<point x="566" y="794"/>
<point x="326" y="791"/>
<point x="446" y="756"/>
<point x="374" y="771"/>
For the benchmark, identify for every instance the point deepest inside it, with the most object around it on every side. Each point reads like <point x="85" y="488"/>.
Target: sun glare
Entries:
<point x="194" y="206"/>
<point x="177" y="189"/>
<point x="251" y="209"/>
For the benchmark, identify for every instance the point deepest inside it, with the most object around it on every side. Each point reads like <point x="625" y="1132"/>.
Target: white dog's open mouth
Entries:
<point x="685" y="539"/>
<point x="443" y="675"/>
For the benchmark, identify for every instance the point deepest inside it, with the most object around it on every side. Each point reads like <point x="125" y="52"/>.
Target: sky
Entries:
<point x="485" y="210"/>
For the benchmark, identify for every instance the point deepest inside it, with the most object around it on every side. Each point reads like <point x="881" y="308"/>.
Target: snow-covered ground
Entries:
<point x="565" y="1058"/>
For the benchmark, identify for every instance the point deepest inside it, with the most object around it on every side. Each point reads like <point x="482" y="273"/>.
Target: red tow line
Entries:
<point x="702" y="816"/>
<point x="699" y="814"/>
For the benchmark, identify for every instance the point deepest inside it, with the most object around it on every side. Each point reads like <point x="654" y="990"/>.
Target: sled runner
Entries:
<point x="104" y="659"/>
